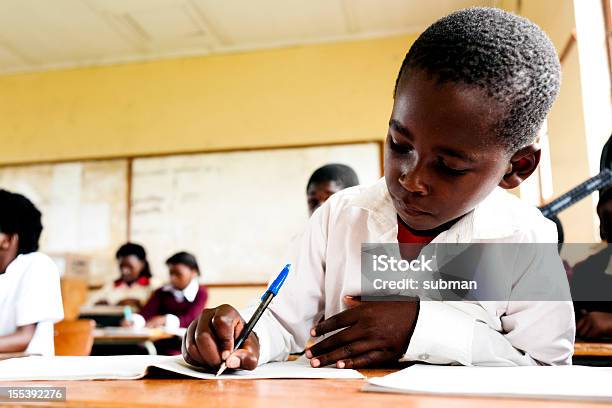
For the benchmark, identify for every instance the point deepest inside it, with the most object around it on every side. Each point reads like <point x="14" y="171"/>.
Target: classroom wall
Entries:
<point x="301" y="95"/>
<point x="294" y="96"/>
<point x="576" y="135"/>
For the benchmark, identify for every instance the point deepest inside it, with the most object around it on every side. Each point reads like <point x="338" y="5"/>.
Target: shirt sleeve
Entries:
<point x="40" y="296"/>
<point x="172" y="322"/>
<point x="531" y="327"/>
<point x="534" y="333"/>
<point x="284" y="327"/>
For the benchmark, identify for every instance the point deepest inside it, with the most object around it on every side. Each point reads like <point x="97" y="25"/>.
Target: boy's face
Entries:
<point x="441" y="156"/>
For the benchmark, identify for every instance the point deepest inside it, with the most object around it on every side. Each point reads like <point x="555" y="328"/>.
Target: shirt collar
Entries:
<point x="188" y="293"/>
<point x="482" y="223"/>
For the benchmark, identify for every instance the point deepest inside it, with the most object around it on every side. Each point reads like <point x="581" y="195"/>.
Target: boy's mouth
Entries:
<point x="410" y="209"/>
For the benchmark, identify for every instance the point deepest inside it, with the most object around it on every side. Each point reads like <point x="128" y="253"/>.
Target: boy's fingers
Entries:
<point x="346" y="351"/>
<point x="190" y="351"/>
<point x="242" y="358"/>
<point x="333" y="342"/>
<point x="223" y="323"/>
<point x="204" y="340"/>
<point x="208" y="349"/>
<point x="339" y="321"/>
<point x="367" y="359"/>
<point x="352" y="301"/>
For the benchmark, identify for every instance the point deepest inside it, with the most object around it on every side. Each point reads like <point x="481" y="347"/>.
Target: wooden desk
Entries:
<point x="102" y="310"/>
<point x="593" y="349"/>
<point x="127" y="336"/>
<point x="263" y="393"/>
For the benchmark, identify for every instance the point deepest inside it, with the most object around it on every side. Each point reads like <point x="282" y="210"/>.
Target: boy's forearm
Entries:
<point x="18" y="341"/>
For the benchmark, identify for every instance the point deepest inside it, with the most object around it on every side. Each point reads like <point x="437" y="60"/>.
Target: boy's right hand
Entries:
<point x="210" y="340"/>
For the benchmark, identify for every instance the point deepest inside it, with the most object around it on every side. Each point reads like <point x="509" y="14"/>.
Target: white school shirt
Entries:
<point x="30" y="294"/>
<point x="491" y="333"/>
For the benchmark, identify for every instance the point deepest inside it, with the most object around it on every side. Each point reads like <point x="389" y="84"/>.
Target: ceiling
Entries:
<point x="48" y="34"/>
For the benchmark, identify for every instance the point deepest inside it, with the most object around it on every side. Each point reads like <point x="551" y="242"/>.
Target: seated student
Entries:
<point x="470" y="96"/>
<point x="133" y="287"/>
<point x="177" y="304"/>
<point x="323" y="182"/>
<point x="326" y="181"/>
<point x="592" y="279"/>
<point x="30" y="295"/>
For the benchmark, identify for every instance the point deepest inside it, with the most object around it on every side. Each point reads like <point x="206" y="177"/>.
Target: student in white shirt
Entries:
<point x="134" y="285"/>
<point x="472" y="93"/>
<point x="328" y="180"/>
<point x="30" y="295"/>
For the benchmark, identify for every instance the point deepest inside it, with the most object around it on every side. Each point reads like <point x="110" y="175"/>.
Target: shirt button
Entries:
<point x="423" y="356"/>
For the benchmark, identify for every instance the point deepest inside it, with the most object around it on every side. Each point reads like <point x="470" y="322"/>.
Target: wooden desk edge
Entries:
<point x="582" y="348"/>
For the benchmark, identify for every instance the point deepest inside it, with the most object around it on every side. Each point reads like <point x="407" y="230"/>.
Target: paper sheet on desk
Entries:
<point x="135" y="367"/>
<point x="542" y="382"/>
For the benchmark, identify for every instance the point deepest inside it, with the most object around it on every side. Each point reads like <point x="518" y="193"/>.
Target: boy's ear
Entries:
<point x="522" y="164"/>
<point x="7" y="241"/>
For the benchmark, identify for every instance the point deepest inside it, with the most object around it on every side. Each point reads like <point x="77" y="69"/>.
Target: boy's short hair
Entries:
<point x="343" y="175"/>
<point x="19" y="216"/>
<point x="184" y="258"/>
<point x="507" y="56"/>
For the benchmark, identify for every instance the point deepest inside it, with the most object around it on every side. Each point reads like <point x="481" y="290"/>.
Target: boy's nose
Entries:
<point x="412" y="182"/>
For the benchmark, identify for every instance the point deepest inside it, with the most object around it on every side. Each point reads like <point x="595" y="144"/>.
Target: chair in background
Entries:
<point x="74" y="295"/>
<point x="74" y="337"/>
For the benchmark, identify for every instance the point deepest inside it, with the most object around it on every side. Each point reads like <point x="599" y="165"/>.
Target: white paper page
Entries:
<point x="288" y="369"/>
<point x="561" y="382"/>
<point x="134" y="367"/>
<point x="77" y="368"/>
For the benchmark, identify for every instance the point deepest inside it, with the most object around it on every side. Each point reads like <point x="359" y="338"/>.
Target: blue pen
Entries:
<point x="266" y="298"/>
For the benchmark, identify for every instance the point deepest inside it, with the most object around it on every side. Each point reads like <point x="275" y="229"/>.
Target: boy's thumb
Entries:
<point x="352" y="301"/>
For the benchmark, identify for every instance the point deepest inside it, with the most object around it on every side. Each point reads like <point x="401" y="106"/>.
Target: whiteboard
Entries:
<point x="236" y="211"/>
<point x="83" y="205"/>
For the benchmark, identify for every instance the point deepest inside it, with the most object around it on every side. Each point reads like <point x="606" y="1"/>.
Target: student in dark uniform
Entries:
<point x="592" y="279"/>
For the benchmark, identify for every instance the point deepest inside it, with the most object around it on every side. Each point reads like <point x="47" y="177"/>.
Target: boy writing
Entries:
<point x="470" y="97"/>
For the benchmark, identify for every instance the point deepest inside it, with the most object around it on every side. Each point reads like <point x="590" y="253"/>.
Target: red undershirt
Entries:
<point x="406" y="236"/>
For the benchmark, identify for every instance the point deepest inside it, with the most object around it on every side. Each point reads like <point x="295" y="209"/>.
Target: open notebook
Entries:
<point x="135" y="367"/>
<point x="561" y="382"/>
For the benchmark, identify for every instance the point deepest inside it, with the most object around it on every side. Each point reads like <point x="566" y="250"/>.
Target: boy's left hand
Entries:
<point x="374" y="333"/>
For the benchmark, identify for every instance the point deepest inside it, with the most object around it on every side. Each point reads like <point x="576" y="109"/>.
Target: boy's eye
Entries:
<point x="451" y="170"/>
<point x="399" y="148"/>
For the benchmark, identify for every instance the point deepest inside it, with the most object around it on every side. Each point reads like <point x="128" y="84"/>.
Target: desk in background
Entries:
<point x="103" y="315"/>
<point x="123" y="336"/>
<point x="593" y="353"/>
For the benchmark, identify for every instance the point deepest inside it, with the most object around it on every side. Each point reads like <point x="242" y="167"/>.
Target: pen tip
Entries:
<point x="221" y="369"/>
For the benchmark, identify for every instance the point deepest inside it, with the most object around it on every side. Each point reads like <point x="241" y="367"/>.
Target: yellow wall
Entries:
<point x="566" y="121"/>
<point x="301" y="95"/>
